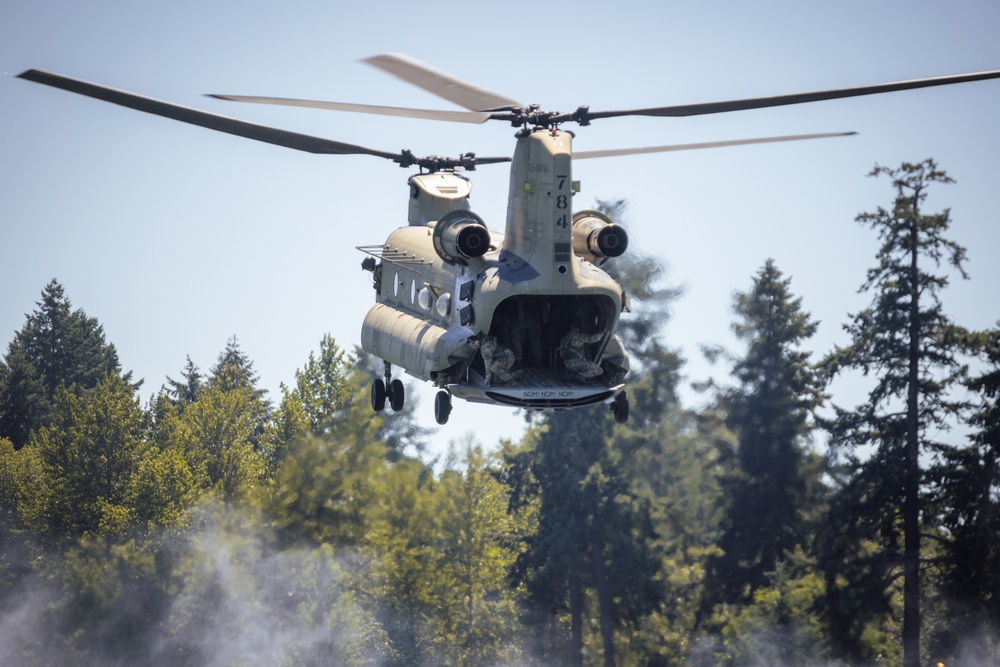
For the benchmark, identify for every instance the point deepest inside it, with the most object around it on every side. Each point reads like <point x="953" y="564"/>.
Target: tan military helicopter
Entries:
<point x="522" y="317"/>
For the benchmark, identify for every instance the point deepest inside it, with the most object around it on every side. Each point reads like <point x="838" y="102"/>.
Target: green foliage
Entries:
<point x="163" y="488"/>
<point x="56" y="347"/>
<point x="186" y="390"/>
<point x="445" y="547"/>
<point x="907" y="342"/>
<point x="676" y="469"/>
<point x="770" y="411"/>
<point x="88" y="457"/>
<point x="477" y="547"/>
<point x="323" y="387"/>
<point x="216" y="434"/>
<point x="968" y="498"/>
<point x="323" y="488"/>
<point x="780" y="625"/>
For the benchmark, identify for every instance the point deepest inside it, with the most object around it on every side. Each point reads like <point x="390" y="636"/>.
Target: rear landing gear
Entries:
<point x="619" y="407"/>
<point x="388" y="389"/>
<point x="442" y="407"/>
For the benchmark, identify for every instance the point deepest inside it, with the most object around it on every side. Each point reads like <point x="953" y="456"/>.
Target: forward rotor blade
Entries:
<point x="583" y="155"/>
<point x="426" y="114"/>
<point x="799" y="98"/>
<point x="441" y="84"/>
<point x="302" y="142"/>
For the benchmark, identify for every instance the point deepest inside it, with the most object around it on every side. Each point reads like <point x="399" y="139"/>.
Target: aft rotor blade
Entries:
<point x="799" y="98"/>
<point x="425" y="114"/>
<point x="302" y="142"/>
<point x="440" y="83"/>
<point x="583" y="155"/>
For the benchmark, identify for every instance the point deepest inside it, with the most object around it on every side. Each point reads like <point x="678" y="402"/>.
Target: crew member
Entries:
<point x="572" y="349"/>
<point x="497" y="359"/>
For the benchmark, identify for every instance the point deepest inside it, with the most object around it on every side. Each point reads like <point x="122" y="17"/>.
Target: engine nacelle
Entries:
<point x="595" y="235"/>
<point x="460" y="235"/>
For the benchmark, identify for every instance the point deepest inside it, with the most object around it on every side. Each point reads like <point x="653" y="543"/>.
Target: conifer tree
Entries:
<point x="186" y="390"/>
<point x="770" y="411"/>
<point x="910" y="346"/>
<point x="234" y="372"/>
<point x="595" y="534"/>
<point x="57" y="346"/>
<point x="968" y="498"/>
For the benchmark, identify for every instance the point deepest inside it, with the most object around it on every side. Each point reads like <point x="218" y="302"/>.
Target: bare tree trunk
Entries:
<point x="576" y="620"/>
<point x="911" y="484"/>
<point x="603" y="599"/>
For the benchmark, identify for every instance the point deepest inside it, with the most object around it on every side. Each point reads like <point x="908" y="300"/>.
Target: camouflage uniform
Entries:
<point x="571" y="348"/>
<point x="498" y="361"/>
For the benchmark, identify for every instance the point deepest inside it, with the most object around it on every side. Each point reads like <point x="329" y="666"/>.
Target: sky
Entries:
<point x="177" y="238"/>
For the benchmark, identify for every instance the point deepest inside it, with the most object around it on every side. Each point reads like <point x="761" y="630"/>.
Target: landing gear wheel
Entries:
<point x="619" y="407"/>
<point x="396" y="395"/>
<point x="378" y="395"/>
<point x="442" y="407"/>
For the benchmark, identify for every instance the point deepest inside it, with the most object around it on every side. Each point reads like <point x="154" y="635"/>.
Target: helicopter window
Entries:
<point x="424" y="298"/>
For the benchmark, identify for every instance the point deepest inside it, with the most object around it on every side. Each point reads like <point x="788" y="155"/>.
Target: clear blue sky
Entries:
<point x="177" y="238"/>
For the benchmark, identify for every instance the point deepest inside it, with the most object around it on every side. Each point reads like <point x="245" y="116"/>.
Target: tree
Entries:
<point x="443" y="547"/>
<point x="905" y="339"/>
<point x="770" y="413"/>
<point x="89" y="454"/>
<point x="234" y="372"/>
<point x="478" y="546"/>
<point x="187" y="389"/>
<point x="322" y="386"/>
<point x="217" y="434"/>
<point x="595" y="538"/>
<point x="968" y="484"/>
<point x="57" y="346"/>
<point x="594" y="534"/>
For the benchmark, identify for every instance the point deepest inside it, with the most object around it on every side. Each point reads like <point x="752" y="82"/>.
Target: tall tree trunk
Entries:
<point x="603" y="598"/>
<point x="576" y="619"/>
<point x="911" y="488"/>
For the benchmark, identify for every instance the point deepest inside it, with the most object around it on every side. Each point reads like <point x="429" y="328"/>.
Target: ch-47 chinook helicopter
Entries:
<point x="522" y="317"/>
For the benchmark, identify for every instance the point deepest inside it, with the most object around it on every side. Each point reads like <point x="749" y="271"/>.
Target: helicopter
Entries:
<point x="525" y="316"/>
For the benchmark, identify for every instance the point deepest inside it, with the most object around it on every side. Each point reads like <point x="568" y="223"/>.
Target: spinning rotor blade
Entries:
<point x="425" y="114"/>
<point x="582" y="155"/>
<point x="799" y="98"/>
<point x="441" y="84"/>
<point x="302" y="142"/>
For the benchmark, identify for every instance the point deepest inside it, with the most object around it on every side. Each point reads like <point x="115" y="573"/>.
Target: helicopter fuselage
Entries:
<point x="443" y="286"/>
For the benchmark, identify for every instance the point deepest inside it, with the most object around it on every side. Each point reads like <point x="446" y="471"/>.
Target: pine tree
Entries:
<point x="234" y="372"/>
<point x="911" y="347"/>
<point x="595" y="534"/>
<point x="770" y="412"/>
<point x="57" y="346"/>
<point x="186" y="390"/>
<point x="968" y="498"/>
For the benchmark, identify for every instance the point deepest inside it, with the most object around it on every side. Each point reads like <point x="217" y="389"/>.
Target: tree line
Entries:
<point x="216" y="525"/>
